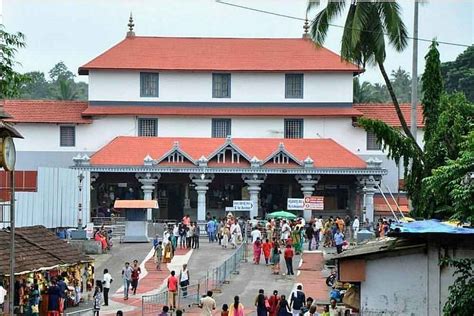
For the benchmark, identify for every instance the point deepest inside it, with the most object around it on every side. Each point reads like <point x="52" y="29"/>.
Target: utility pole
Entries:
<point x="414" y="74"/>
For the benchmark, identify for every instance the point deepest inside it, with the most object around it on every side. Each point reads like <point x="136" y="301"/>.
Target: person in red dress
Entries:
<point x="267" y="249"/>
<point x="273" y="301"/>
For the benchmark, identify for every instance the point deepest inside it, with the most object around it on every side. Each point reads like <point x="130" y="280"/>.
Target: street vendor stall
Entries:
<point x="40" y="258"/>
<point x="135" y="213"/>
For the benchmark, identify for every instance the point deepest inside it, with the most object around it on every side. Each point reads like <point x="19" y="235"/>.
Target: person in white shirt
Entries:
<point x="255" y="234"/>
<point x="106" y="281"/>
<point x="184" y="280"/>
<point x="355" y="227"/>
<point x="3" y="293"/>
<point x="312" y="311"/>
<point x="285" y="231"/>
<point x="208" y="304"/>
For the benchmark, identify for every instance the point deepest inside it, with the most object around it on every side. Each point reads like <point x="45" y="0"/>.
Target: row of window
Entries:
<point x="221" y="128"/>
<point x="221" y="85"/>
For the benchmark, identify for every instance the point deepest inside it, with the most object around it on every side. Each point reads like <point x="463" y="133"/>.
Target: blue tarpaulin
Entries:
<point x="431" y="226"/>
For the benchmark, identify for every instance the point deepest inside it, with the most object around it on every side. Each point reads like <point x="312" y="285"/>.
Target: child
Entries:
<point x="225" y="310"/>
<point x="158" y="255"/>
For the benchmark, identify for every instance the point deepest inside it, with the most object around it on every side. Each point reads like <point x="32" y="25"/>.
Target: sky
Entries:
<point x="76" y="31"/>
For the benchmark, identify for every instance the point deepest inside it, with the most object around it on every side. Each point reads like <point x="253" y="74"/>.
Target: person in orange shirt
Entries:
<point x="340" y="223"/>
<point x="267" y="248"/>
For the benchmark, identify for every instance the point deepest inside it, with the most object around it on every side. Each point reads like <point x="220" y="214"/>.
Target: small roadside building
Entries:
<point x="402" y="274"/>
<point x="40" y="256"/>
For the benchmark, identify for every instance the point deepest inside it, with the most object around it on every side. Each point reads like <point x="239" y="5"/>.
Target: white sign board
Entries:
<point x="314" y="203"/>
<point x="242" y="205"/>
<point x="295" y="204"/>
<point x="90" y="230"/>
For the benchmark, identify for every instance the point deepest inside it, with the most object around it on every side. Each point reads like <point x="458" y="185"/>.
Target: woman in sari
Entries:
<point x="168" y="252"/>
<point x="296" y="237"/>
<point x="103" y="241"/>
<point x="236" y="308"/>
<point x="273" y="301"/>
<point x="257" y="251"/>
<point x="327" y="234"/>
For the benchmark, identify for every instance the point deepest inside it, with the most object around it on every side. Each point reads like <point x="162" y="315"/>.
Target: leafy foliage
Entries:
<point x="363" y="41"/>
<point x="451" y="187"/>
<point x="458" y="75"/>
<point x="61" y="85"/>
<point x="10" y="80"/>
<point x="461" y="291"/>
<point x="400" y="79"/>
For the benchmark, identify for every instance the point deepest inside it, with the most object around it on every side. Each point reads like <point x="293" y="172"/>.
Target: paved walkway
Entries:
<point x="313" y="276"/>
<point x="151" y="282"/>
<point x="245" y="284"/>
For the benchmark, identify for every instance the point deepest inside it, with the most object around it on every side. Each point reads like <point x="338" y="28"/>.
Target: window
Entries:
<point x="294" y="128"/>
<point x="147" y="127"/>
<point x="221" y="128"/>
<point x="294" y="86"/>
<point x="67" y="136"/>
<point x="372" y="143"/>
<point x="148" y="84"/>
<point x="221" y="85"/>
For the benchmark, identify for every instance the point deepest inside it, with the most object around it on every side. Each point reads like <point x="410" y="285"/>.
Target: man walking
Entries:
<point x="289" y="254"/>
<point x="106" y="281"/>
<point x="127" y="279"/>
<point x="208" y="304"/>
<point x="211" y="230"/>
<point x="172" y="286"/>
<point x="339" y="240"/>
<point x="135" y="276"/>
<point x="297" y="300"/>
<point x="355" y="228"/>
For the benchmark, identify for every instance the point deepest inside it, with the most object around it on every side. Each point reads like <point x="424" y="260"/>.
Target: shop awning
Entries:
<point x="136" y="204"/>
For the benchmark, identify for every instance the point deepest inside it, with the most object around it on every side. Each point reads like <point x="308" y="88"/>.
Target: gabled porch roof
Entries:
<point x="317" y="153"/>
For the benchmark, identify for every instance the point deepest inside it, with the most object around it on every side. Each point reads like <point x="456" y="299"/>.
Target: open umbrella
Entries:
<point x="281" y="214"/>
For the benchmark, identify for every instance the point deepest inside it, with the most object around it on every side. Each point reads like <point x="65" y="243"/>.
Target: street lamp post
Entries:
<point x="80" y="233"/>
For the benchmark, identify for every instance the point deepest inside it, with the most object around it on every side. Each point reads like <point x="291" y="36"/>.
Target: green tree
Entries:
<point x="363" y="39"/>
<point x="365" y="92"/>
<point x="461" y="292"/>
<point x="60" y="72"/>
<point x="458" y="75"/>
<point x="67" y="90"/>
<point x="401" y="82"/>
<point x="451" y="185"/>
<point x="36" y="87"/>
<point x="10" y="80"/>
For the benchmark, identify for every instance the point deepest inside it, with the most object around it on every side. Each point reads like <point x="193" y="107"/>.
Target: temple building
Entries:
<point x="198" y="123"/>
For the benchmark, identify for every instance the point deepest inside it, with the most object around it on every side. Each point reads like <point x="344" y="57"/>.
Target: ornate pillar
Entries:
<point x="369" y="184"/>
<point x="307" y="182"/>
<point x="148" y="180"/>
<point x="201" y="180"/>
<point x="253" y="182"/>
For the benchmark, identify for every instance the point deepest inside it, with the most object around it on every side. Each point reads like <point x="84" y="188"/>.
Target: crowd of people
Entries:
<point x="226" y="231"/>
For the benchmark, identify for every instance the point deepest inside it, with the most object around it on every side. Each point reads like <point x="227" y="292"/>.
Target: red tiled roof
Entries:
<point x="221" y="111"/>
<point x="381" y="206"/>
<point x="326" y="153"/>
<point x="386" y="112"/>
<point x="218" y="54"/>
<point x="45" y="111"/>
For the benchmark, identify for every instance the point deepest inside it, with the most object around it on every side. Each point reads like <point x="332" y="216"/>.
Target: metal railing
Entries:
<point x="152" y="304"/>
<point x="191" y="295"/>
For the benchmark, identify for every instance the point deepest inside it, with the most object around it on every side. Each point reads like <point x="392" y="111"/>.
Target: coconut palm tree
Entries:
<point x="363" y="40"/>
<point x="66" y="90"/>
